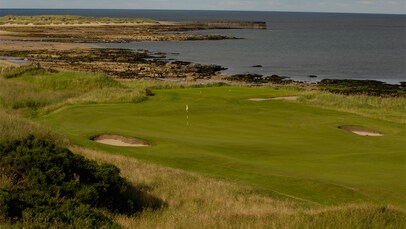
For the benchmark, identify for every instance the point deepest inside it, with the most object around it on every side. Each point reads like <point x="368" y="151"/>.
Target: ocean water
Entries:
<point x="341" y="46"/>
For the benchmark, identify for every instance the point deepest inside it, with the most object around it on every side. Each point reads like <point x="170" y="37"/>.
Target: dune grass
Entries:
<point x="67" y="20"/>
<point x="14" y="126"/>
<point x="39" y="89"/>
<point x="385" y="108"/>
<point x="282" y="148"/>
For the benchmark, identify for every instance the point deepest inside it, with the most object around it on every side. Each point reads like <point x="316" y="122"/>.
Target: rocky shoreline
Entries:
<point x="121" y="63"/>
<point x="89" y="30"/>
<point x="141" y="64"/>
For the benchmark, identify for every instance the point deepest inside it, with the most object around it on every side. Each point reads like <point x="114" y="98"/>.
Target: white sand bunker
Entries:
<point x="275" y="98"/>
<point x="259" y="99"/>
<point x="362" y="131"/>
<point x="117" y="140"/>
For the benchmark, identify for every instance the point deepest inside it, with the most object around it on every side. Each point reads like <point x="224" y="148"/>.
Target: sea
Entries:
<point x="295" y="44"/>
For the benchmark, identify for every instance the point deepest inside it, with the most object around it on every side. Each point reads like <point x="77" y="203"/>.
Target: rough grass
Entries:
<point x="18" y="94"/>
<point x="195" y="201"/>
<point x="32" y="90"/>
<point x="384" y="108"/>
<point x="14" y="126"/>
<point x="76" y="81"/>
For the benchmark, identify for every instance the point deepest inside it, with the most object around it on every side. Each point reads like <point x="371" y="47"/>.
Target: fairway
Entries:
<point x="282" y="148"/>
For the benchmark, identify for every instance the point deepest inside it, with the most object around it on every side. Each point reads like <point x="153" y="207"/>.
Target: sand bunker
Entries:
<point x="259" y="99"/>
<point x="117" y="140"/>
<point x="275" y="98"/>
<point x="362" y="131"/>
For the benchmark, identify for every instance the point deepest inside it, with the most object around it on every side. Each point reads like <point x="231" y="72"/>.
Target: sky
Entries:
<point x="350" y="6"/>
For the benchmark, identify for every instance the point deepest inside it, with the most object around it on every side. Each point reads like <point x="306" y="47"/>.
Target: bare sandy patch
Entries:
<point x="259" y="99"/>
<point x="362" y="131"/>
<point x="286" y="98"/>
<point x="117" y="140"/>
<point x="7" y="45"/>
<point x="275" y="98"/>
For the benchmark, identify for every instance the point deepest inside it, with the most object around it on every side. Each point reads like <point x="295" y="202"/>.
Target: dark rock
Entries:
<point x="255" y="78"/>
<point x="181" y="62"/>
<point x="365" y="87"/>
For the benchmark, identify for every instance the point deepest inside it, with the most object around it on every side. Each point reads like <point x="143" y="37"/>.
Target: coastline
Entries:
<point x="246" y="149"/>
<point x="43" y="44"/>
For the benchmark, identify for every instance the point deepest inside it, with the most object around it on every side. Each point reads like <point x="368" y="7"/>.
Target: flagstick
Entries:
<point x="187" y="115"/>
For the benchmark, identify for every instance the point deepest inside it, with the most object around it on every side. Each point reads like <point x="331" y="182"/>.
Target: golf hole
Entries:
<point x="117" y="140"/>
<point x="362" y="131"/>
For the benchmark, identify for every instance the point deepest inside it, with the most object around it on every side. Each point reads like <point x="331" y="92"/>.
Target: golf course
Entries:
<point x="270" y="156"/>
<point x="284" y="148"/>
<point x="201" y="120"/>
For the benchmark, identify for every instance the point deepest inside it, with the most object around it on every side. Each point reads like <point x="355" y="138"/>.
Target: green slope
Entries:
<point x="282" y="148"/>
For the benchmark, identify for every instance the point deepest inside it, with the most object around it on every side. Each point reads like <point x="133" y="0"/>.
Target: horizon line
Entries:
<point x="274" y="11"/>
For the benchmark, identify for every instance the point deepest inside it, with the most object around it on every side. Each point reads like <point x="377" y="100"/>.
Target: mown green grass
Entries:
<point x="283" y="148"/>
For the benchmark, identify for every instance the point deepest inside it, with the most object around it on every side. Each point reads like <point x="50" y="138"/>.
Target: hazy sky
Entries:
<point x="360" y="6"/>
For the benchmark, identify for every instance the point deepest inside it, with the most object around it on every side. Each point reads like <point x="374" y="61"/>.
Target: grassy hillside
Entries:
<point x="282" y="148"/>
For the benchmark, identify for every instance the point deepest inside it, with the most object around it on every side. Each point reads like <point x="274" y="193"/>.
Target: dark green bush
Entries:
<point x="52" y="185"/>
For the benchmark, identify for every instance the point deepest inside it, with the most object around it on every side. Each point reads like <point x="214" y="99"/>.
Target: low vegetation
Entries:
<point x="385" y="108"/>
<point x="32" y="87"/>
<point x="66" y="19"/>
<point x="362" y="87"/>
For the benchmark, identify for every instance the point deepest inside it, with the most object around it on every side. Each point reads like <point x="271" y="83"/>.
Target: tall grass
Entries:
<point x="195" y="201"/>
<point x="385" y="108"/>
<point x="32" y="69"/>
<point x="18" y="94"/>
<point x="77" y="81"/>
<point x="34" y="90"/>
<point x="14" y="126"/>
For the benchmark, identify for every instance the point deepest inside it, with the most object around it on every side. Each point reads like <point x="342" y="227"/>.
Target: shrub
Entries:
<point x="51" y="185"/>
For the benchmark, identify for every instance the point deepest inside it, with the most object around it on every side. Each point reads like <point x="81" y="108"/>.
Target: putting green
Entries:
<point x="282" y="148"/>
